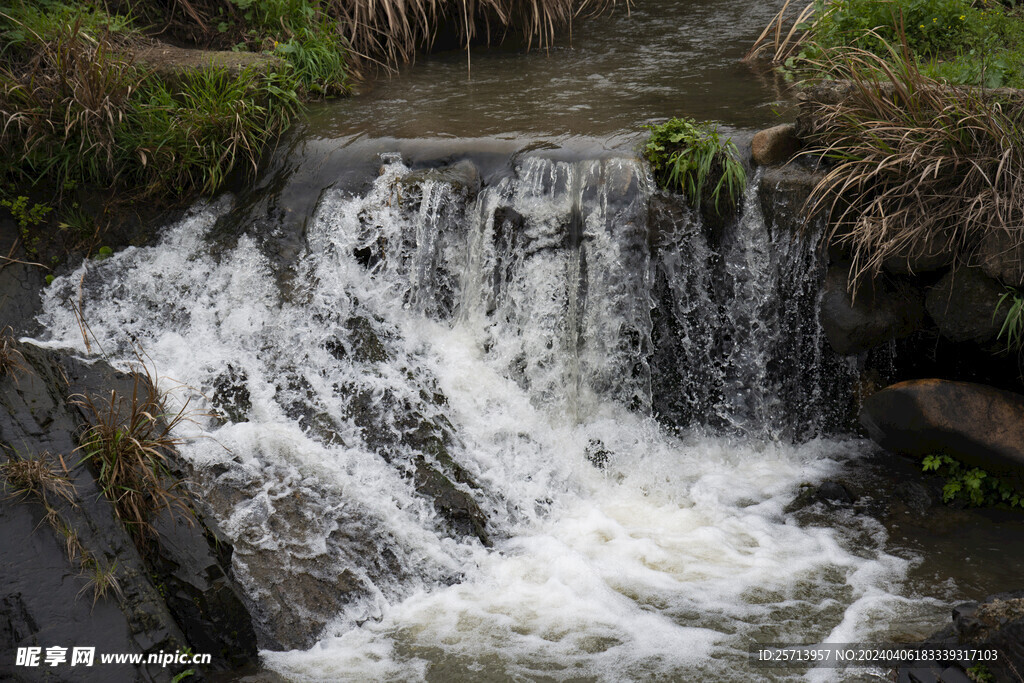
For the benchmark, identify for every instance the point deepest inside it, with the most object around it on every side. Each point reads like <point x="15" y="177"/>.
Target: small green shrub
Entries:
<point x="931" y="26"/>
<point x="972" y="485"/>
<point x="25" y="215"/>
<point x="691" y="157"/>
<point x="1012" y="328"/>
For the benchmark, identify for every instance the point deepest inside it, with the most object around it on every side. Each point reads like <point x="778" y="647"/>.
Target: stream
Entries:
<point x="479" y="403"/>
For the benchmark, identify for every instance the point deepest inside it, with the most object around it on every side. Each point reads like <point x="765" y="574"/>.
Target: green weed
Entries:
<point x="23" y="213"/>
<point x="1012" y="328"/>
<point x="691" y="157"/>
<point x="972" y="485"/>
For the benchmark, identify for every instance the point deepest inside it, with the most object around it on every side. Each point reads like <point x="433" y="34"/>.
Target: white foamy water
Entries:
<point x="514" y="329"/>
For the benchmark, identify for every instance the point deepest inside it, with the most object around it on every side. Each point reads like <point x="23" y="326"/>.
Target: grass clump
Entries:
<point x="100" y="579"/>
<point x="39" y="477"/>
<point x="128" y="447"/>
<point x="973" y="486"/>
<point x="76" y="111"/>
<point x="916" y="165"/>
<point x="12" y="362"/>
<point x="691" y="157"/>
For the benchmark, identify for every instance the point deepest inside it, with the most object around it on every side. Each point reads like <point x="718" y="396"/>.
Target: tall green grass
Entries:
<point x="75" y="110"/>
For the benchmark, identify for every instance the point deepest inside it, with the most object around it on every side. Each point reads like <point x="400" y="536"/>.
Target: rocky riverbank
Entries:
<point x="928" y="325"/>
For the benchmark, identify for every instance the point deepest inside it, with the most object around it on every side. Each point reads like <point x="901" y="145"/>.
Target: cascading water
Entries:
<point x="540" y="429"/>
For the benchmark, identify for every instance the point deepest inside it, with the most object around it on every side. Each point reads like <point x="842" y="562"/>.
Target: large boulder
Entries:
<point x="962" y="304"/>
<point x="1001" y="256"/>
<point x="974" y="423"/>
<point x="878" y="314"/>
<point x="927" y="255"/>
<point x="775" y="145"/>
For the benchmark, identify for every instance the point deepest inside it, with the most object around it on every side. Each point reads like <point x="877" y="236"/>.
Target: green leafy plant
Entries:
<point x="979" y="673"/>
<point x="25" y="215"/>
<point x="691" y="157"/>
<point x="972" y="485"/>
<point x="1012" y="328"/>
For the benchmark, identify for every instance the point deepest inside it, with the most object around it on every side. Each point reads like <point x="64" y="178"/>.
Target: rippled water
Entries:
<point x="663" y="58"/>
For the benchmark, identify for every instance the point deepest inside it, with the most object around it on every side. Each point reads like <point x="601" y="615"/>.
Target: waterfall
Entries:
<point x="545" y="426"/>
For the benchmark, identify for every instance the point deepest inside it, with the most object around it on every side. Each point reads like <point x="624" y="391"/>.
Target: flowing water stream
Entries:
<point x="491" y="408"/>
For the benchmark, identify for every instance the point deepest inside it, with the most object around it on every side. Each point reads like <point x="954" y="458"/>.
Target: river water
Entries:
<point x="628" y="405"/>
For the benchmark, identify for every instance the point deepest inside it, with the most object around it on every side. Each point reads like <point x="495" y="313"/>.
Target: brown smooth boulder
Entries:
<point x="977" y="424"/>
<point x="775" y="145"/>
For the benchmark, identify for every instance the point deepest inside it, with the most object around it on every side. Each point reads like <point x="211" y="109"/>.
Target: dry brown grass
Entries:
<point x="62" y="102"/>
<point x="128" y="446"/>
<point x="40" y="476"/>
<point x="777" y="42"/>
<point x="12" y="362"/>
<point x="389" y="32"/>
<point x="918" y="165"/>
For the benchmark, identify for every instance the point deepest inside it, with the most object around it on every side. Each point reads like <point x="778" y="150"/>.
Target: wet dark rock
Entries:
<point x="421" y="445"/>
<point x="831" y="493"/>
<point x="962" y="304"/>
<point x="45" y="607"/>
<point x="775" y="145"/>
<point x="918" y="497"/>
<point x="231" y="394"/>
<point x="784" y="191"/>
<point x="880" y="312"/>
<point x="974" y="423"/>
<point x="930" y="256"/>
<point x="1001" y="257"/>
<point x="444" y="481"/>
<point x="366" y="346"/>
<point x="463" y="176"/>
<point x="597" y="454"/>
<point x="834" y="492"/>
<point x="997" y="622"/>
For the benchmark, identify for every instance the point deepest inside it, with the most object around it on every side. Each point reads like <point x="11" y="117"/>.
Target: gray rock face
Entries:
<point x="775" y="145"/>
<point x="977" y="424"/>
<point x="962" y="304"/>
<point x="174" y="596"/>
<point x="1002" y="258"/>
<point x="876" y="315"/>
